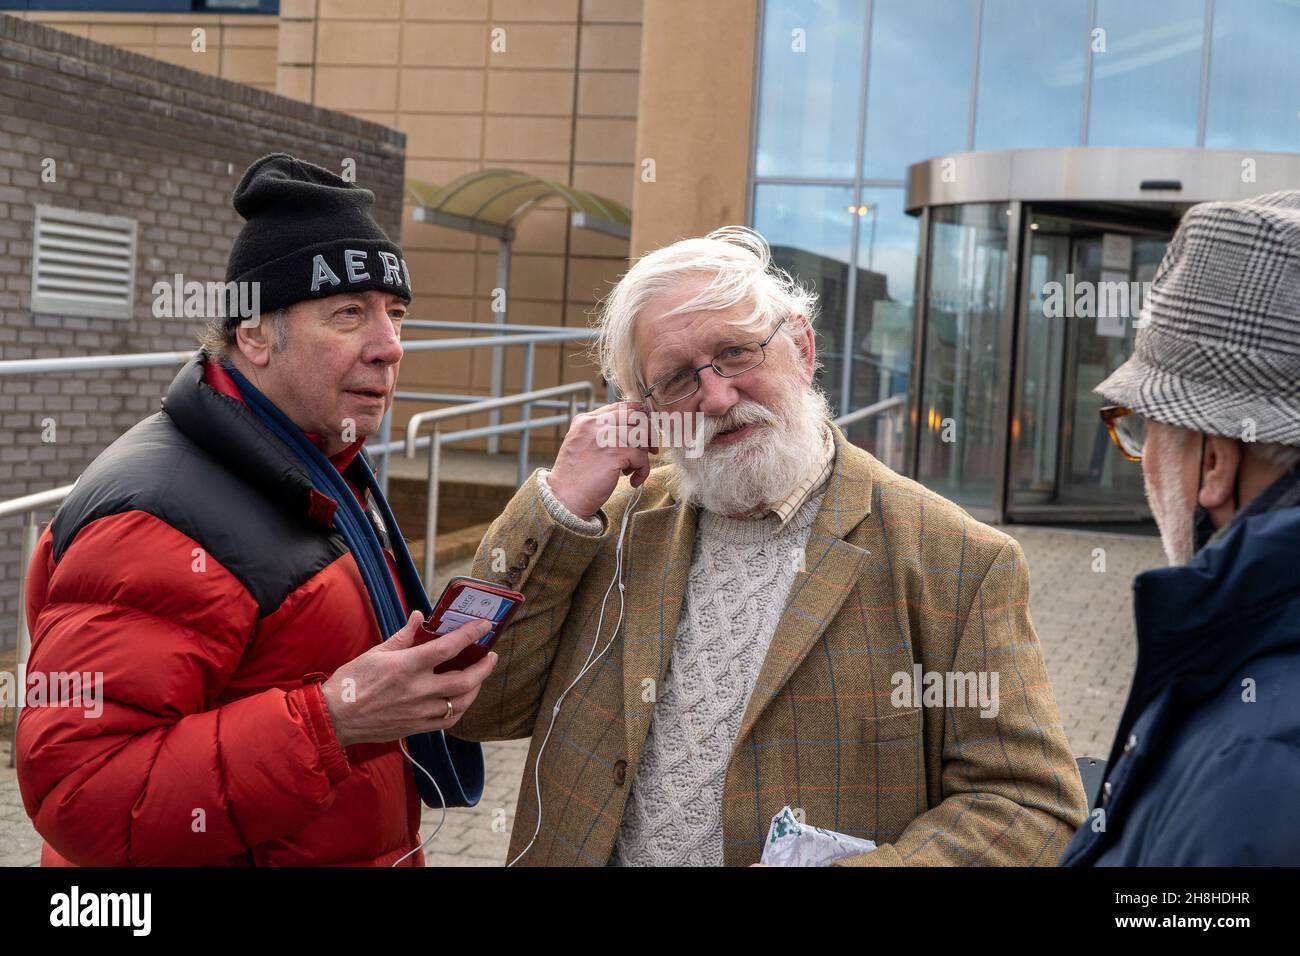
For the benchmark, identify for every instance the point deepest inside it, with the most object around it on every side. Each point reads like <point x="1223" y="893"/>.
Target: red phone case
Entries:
<point x="475" y="652"/>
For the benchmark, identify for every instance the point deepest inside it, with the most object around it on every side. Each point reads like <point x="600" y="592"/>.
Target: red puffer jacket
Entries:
<point x="192" y="572"/>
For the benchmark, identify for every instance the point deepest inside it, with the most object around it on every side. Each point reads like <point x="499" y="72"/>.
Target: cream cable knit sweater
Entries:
<point x="740" y="575"/>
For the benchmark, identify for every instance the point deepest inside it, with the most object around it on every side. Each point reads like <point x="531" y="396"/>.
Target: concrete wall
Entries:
<point x="238" y="47"/>
<point x="130" y="136"/>
<point x="559" y="102"/>
<point x="694" y="117"/>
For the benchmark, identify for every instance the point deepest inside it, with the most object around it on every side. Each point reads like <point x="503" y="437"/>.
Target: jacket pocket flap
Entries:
<point x="892" y="726"/>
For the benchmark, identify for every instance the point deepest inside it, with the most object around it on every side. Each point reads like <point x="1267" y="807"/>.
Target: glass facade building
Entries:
<point x="941" y="301"/>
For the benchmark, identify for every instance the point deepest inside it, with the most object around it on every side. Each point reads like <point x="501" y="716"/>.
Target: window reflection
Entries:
<point x="1060" y="452"/>
<point x="965" y="369"/>
<point x="1028" y="74"/>
<point x="1146" y="82"/>
<point x="1254" y="76"/>
<point x="882" y="323"/>
<point x="1092" y="472"/>
<point x="810" y="231"/>
<point x="809" y="90"/>
<point x="918" y="90"/>
<point x="1031" y="73"/>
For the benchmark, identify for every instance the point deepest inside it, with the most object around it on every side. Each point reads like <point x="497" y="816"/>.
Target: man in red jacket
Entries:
<point x="247" y="709"/>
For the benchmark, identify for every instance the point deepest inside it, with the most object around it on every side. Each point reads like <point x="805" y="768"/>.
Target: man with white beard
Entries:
<point x="1205" y="767"/>
<point x="780" y="597"/>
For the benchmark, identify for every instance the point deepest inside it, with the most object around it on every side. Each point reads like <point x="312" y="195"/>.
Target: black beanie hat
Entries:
<point x="309" y="234"/>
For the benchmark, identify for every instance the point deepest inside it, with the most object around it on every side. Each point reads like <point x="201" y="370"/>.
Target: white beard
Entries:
<point x="1174" y="513"/>
<point x="760" y="469"/>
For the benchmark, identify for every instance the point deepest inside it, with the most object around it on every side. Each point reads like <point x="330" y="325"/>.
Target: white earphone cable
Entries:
<point x="441" y="799"/>
<point x="587" y="665"/>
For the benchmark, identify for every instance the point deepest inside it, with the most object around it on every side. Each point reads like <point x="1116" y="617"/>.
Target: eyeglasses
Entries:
<point x="1128" y="430"/>
<point x="684" y="382"/>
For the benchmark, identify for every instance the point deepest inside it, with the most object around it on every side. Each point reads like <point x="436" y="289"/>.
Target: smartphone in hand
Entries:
<point x="464" y="601"/>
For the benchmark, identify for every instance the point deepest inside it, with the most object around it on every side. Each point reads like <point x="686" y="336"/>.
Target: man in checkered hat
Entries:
<point x="1205" y="767"/>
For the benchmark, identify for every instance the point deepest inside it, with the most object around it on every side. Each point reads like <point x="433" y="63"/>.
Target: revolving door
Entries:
<point x="1033" y="268"/>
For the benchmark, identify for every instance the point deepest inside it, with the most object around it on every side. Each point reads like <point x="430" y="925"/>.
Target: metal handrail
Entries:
<point x="452" y="398"/>
<point x="530" y="340"/>
<point x="529" y="336"/>
<point x="437" y="440"/>
<point x="488" y="404"/>
<point x="492" y="327"/>
<point x="871" y="411"/>
<point x="893" y="404"/>
<point x="28" y="505"/>
<point x="91" y="363"/>
<point x="498" y="367"/>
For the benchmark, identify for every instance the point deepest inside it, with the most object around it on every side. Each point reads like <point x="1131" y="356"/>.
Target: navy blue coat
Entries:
<point x="1198" y="776"/>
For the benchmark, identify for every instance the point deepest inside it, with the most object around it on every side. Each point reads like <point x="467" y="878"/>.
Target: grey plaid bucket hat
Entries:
<point x="1218" y="341"/>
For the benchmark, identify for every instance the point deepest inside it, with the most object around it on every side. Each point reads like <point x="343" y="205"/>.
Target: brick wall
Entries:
<point x="239" y="47"/>
<point x="130" y="136"/>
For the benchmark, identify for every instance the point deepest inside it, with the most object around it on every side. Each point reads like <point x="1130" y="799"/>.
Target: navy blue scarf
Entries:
<point x="456" y="765"/>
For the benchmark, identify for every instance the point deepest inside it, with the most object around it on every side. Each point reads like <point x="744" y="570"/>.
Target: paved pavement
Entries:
<point x="1081" y="604"/>
<point x="19" y="843"/>
<point x="1084" y="619"/>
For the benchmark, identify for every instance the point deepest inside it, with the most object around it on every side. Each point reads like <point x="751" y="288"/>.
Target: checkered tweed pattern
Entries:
<point x="1219" y="348"/>
<point x="894" y="575"/>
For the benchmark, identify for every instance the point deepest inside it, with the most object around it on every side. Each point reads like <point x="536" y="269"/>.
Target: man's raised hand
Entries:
<point x="598" y="449"/>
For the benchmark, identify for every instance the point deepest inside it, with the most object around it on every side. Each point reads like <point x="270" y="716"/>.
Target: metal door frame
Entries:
<point x="1083" y="214"/>
<point x="1117" y="186"/>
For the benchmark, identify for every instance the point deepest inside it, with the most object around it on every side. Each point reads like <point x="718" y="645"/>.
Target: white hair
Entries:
<point x="736" y="263"/>
<point x="217" y="338"/>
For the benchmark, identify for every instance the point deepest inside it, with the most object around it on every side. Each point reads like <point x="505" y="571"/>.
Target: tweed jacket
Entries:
<point x="893" y="576"/>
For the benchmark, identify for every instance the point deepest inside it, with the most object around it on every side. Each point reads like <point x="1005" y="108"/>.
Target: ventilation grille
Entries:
<point x="83" y="264"/>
